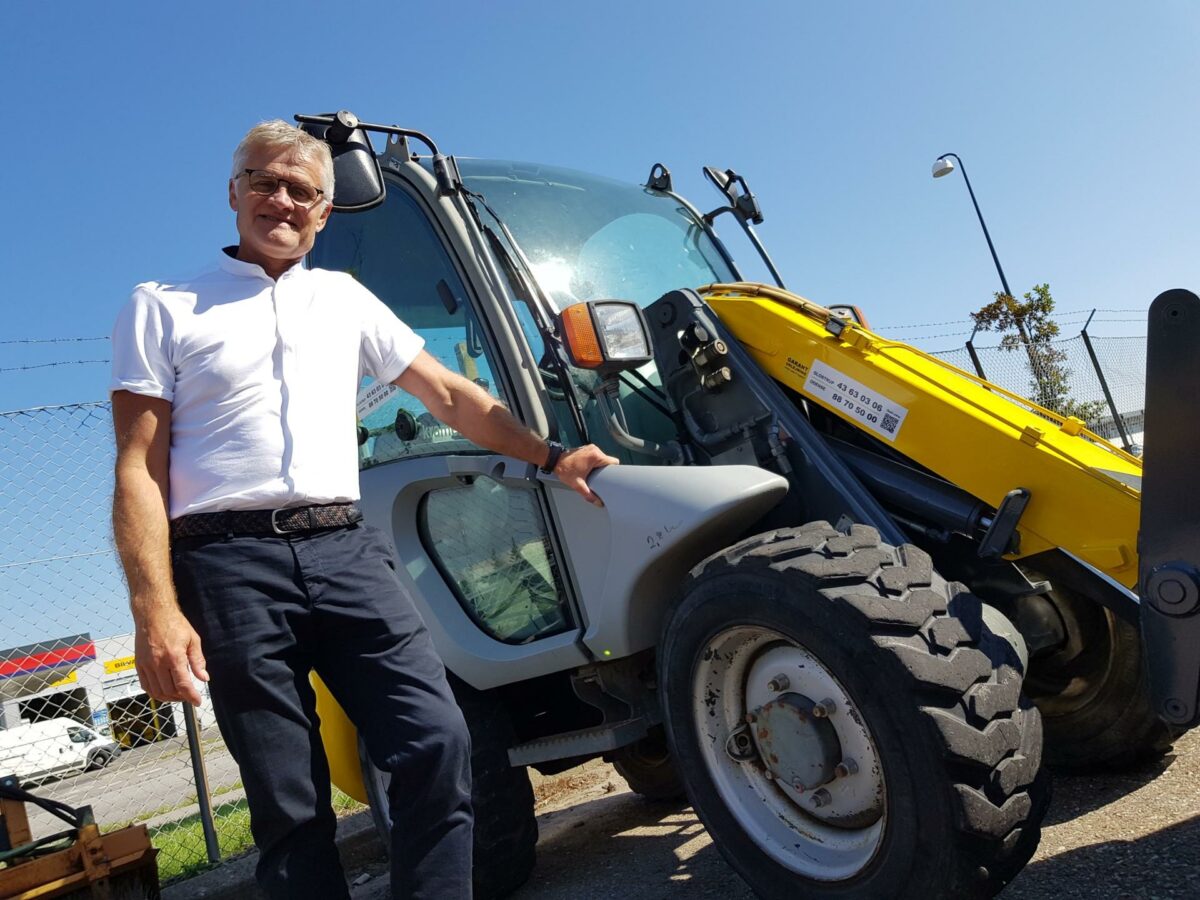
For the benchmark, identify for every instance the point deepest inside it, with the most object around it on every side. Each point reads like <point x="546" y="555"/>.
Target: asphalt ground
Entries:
<point x="152" y="784"/>
<point x="1107" y="836"/>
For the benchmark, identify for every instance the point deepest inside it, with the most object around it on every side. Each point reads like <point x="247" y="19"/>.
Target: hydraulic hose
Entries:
<point x="755" y="289"/>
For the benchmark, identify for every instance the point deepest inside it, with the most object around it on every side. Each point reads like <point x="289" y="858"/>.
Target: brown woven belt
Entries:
<point x="295" y="520"/>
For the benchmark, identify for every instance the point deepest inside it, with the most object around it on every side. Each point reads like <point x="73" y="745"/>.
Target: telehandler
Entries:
<point x="839" y="592"/>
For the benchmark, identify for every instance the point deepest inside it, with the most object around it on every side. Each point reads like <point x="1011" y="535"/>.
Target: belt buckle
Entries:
<point x="275" y="525"/>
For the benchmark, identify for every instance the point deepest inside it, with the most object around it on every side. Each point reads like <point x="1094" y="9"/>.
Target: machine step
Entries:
<point x="584" y="742"/>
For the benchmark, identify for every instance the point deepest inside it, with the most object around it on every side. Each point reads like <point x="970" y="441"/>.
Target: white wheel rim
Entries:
<point x="731" y="680"/>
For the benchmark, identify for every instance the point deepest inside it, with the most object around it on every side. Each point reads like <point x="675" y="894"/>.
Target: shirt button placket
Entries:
<point x="288" y="382"/>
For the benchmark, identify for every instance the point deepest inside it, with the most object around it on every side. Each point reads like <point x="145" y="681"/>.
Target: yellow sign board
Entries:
<point x="124" y="664"/>
<point x="70" y="679"/>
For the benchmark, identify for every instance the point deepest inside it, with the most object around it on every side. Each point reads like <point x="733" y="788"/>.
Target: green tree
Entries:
<point x="1027" y="325"/>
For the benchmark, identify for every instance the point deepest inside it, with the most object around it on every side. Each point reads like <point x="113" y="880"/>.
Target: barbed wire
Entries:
<point x="46" y="559"/>
<point x="65" y="340"/>
<point x="71" y="362"/>
<point x="1057" y="315"/>
<point x="931" y="337"/>
<point x="89" y="407"/>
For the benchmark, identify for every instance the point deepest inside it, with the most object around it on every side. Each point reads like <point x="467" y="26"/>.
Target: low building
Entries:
<point x="91" y="681"/>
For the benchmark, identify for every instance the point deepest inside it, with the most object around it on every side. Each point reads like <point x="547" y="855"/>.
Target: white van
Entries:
<point x="54" y="747"/>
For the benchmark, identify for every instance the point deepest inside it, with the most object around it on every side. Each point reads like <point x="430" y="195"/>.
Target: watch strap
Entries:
<point x="556" y="452"/>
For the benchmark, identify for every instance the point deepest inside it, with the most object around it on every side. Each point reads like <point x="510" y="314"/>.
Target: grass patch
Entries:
<point x="181" y="850"/>
<point x="344" y="803"/>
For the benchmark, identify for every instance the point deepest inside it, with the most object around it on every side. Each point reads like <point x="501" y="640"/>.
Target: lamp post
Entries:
<point x="943" y="166"/>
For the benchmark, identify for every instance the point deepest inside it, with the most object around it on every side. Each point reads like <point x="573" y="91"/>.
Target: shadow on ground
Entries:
<point x="1076" y="795"/>
<point x="1161" y="865"/>
<point x="596" y="843"/>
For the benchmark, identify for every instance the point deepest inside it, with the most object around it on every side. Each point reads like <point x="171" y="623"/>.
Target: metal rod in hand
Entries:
<point x="201" y="775"/>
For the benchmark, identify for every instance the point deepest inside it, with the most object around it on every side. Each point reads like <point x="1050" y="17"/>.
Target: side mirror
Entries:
<point x="358" y="181"/>
<point x="742" y="203"/>
<point x="718" y="178"/>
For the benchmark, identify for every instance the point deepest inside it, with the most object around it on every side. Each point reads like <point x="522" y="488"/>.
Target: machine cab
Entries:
<point x="480" y="273"/>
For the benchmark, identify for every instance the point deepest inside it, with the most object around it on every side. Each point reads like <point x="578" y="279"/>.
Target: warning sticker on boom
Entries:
<point x="854" y="399"/>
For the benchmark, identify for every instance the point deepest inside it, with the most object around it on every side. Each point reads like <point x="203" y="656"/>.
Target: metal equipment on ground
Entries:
<point x="77" y="863"/>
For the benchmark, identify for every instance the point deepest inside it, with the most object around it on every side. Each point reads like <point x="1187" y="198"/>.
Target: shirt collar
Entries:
<point x="228" y="261"/>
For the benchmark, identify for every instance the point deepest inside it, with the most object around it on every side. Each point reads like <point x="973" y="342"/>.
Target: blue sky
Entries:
<point x="1077" y="123"/>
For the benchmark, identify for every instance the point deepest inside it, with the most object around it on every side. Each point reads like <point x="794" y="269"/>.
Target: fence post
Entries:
<point x="1112" y="406"/>
<point x="974" y="356"/>
<point x="201" y="776"/>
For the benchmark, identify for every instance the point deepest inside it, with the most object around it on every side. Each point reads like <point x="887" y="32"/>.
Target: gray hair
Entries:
<point x="278" y="134"/>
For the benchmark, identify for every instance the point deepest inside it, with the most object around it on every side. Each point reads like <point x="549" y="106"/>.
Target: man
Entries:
<point x="236" y="476"/>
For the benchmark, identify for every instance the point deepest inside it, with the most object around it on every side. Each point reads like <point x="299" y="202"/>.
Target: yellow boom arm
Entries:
<point x="1085" y="493"/>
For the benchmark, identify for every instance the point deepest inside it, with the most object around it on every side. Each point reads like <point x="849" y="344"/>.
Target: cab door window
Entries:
<point x="490" y="541"/>
<point x="492" y="544"/>
<point x="394" y="252"/>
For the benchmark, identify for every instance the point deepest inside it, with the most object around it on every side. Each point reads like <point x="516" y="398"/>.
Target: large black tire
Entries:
<point x="506" y="830"/>
<point x="959" y="796"/>
<point x="1093" y="692"/>
<point x="648" y="769"/>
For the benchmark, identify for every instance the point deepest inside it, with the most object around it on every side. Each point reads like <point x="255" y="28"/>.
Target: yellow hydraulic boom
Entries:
<point x="1085" y="493"/>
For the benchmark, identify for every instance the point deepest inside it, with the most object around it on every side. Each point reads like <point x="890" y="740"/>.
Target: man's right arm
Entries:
<point x="167" y="650"/>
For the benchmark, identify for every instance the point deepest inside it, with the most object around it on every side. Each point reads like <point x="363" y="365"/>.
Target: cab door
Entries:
<point x="473" y="531"/>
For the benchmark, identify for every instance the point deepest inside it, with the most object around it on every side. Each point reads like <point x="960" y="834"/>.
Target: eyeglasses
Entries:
<point x="263" y="182"/>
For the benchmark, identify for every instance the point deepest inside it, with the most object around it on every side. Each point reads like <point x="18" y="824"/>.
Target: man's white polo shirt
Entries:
<point x="262" y="377"/>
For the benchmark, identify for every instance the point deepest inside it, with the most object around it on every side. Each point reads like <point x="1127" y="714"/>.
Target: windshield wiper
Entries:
<point x="520" y="274"/>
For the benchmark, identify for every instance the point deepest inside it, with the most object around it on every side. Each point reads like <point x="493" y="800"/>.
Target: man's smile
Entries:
<point x="278" y="220"/>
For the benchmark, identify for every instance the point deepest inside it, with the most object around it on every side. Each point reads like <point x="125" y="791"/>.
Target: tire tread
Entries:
<point x="966" y="681"/>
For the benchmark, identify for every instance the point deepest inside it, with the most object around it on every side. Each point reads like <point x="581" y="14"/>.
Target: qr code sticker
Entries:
<point x="888" y="423"/>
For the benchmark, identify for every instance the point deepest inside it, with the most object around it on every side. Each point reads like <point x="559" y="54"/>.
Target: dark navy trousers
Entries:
<point x="271" y="609"/>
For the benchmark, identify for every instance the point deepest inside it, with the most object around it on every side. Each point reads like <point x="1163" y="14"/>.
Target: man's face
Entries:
<point x="275" y="229"/>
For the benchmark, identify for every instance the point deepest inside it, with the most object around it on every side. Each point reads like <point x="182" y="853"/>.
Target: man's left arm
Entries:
<point x="484" y="420"/>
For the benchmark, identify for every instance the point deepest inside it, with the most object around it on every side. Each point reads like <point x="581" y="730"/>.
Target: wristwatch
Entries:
<point x="556" y="452"/>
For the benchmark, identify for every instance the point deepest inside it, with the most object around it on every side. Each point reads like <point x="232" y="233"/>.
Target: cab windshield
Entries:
<point x="590" y="238"/>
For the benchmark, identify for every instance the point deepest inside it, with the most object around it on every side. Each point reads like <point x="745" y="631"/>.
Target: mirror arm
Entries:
<point x="608" y="396"/>
<point x="710" y="217"/>
<point x="367" y="126"/>
<point x="740" y="215"/>
<point x="762" y="251"/>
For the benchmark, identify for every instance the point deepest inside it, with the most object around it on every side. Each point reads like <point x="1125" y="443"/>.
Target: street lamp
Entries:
<point x="944" y="166"/>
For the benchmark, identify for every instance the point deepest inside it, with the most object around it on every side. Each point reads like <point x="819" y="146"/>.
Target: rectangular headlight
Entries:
<point x="621" y="330"/>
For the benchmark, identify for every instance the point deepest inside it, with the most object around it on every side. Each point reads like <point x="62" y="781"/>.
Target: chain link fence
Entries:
<point x="1101" y="380"/>
<point x="75" y="722"/>
<point x="73" y="718"/>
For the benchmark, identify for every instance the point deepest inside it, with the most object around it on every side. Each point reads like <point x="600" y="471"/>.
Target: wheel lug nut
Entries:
<point x="739" y="746"/>
<point x="821" y="798"/>
<point x="768" y="774"/>
<point x="778" y="684"/>
<point x="846" y="767"/>
<point x="824" y="709"/>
